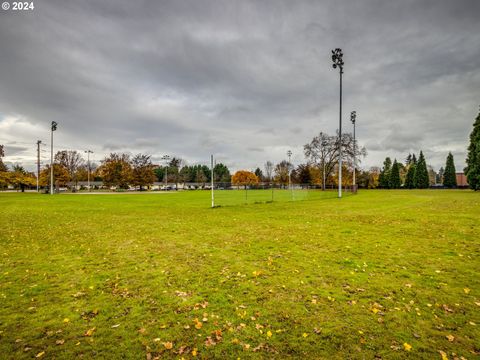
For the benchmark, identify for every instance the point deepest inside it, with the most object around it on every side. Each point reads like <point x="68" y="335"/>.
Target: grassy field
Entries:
<point x="381" y="274"/>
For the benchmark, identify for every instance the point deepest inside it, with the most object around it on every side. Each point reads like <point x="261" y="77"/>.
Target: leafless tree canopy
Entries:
<point x="322" y="151"/>
<point x="268" y="170"/>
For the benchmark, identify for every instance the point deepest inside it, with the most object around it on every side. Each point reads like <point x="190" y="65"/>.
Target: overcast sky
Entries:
<point x="244" y="80"/>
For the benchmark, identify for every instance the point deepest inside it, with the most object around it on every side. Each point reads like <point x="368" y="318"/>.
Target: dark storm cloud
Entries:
<point x="244" y="80"/>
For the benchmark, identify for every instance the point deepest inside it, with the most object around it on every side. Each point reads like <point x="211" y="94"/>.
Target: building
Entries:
<point x="461" y="180"/>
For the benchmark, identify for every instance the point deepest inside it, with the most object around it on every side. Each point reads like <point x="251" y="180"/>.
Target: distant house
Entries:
<point x="461" y="180"/>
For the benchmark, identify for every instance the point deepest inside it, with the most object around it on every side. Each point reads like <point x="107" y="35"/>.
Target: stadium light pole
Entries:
<point x="54" y="127"/>
<point x="289" y="154"/>
<point x="353" y="119"/>
<point x="88" y="166"/>
<point x="337" y="58"/>
<point x="166" y="158"/>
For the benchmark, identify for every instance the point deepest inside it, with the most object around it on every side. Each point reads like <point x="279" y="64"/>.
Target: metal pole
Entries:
<point x="213" y="196"/>
<point x="88" y="170"/>
<point x="290" y="174"/>
<point x="337" y="58"/>
<point x="38" y="164"/>
<point x="354" y="156"/>
<point x="340" y="142"/>
<point x="51" y="162"/>
<point x="166" y="157"/>
<point x="353" y="119"/>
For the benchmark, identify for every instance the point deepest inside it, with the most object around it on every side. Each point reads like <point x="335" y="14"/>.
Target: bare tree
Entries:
<point x="282" y="170"/>
<point x="322" y="152"/>
<point x="268" y="170"/>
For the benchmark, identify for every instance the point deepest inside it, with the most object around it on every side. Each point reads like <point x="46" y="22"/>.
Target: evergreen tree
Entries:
<point x="421" y="179"/>
<point x="472" y="171"/>
<point x="409" y="180"/>
<point x="449" y="176"/>
<point x="408" y="160"/>
<point x="384" y="177"/>
<point x="259" y="173"/>
<point x="414" y="159"/>
<point x="394" y="178"/>
<point x="440" y="176"/>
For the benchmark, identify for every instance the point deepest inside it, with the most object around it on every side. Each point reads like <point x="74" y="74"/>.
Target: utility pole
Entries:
<point x="54" y="127"/>
<point x="337" y="58"/>
<point x="88" y="166"/>
<point x="38" y="164"/>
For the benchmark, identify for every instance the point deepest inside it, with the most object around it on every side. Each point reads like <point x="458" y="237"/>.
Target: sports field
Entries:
<point x="380" y="274"/>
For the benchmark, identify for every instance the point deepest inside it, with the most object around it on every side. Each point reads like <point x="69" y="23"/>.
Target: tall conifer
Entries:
<point x="472" y="171"/>
<point x="449" y="176"/>
<point x="421" y="180"/>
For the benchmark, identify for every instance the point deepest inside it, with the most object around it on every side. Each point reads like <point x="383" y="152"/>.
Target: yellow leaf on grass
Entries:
<point x="198" y="324"/>
<point x="304" y="335"/>
<point x="66" y="320"/>
<point x="269" y="333"/>
<point x="407" y="346"/>
<point x="40" y="354"/>
<point x="194" y="352"/>
<point x="450" y="338"/>
<point x="466" y="290"/>
<point x="443" y="354"/>
<point x="168" y="345"/>
<point x="90" y="332"/>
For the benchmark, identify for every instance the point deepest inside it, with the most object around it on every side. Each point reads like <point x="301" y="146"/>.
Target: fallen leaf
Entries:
<point x="89" y="332"/>
<point x="40" y="354"/>
<point x="115" y="326"/>
<point x="168" y="345"/>
<point x="209" y="341"/>
<point x="304" y="335"/>
<point x="66" y="320"/>
<point x="450" y="338"/>
<point x="198" y="324"/>
<point x="60" y="342"/>
<point x="142" y="330"/>
<point x="446" y="308"/>
<point x="466" y="290"/>
<point x="194" y="352"/>
<point x="269" y="333"/>
<point x="443" y="354"/>
<point x="407" y="346"/>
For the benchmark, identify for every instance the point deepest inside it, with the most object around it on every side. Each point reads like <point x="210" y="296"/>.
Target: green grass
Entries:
<point x="324" y="278"/>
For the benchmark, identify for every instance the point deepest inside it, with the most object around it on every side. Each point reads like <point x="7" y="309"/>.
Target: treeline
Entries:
<point x="416" y="174"/>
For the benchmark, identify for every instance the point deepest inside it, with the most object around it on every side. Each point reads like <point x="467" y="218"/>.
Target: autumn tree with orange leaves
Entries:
<point x="244" y="178"/>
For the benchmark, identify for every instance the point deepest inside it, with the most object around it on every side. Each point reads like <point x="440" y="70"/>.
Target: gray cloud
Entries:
<point x="190" y="78"/>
